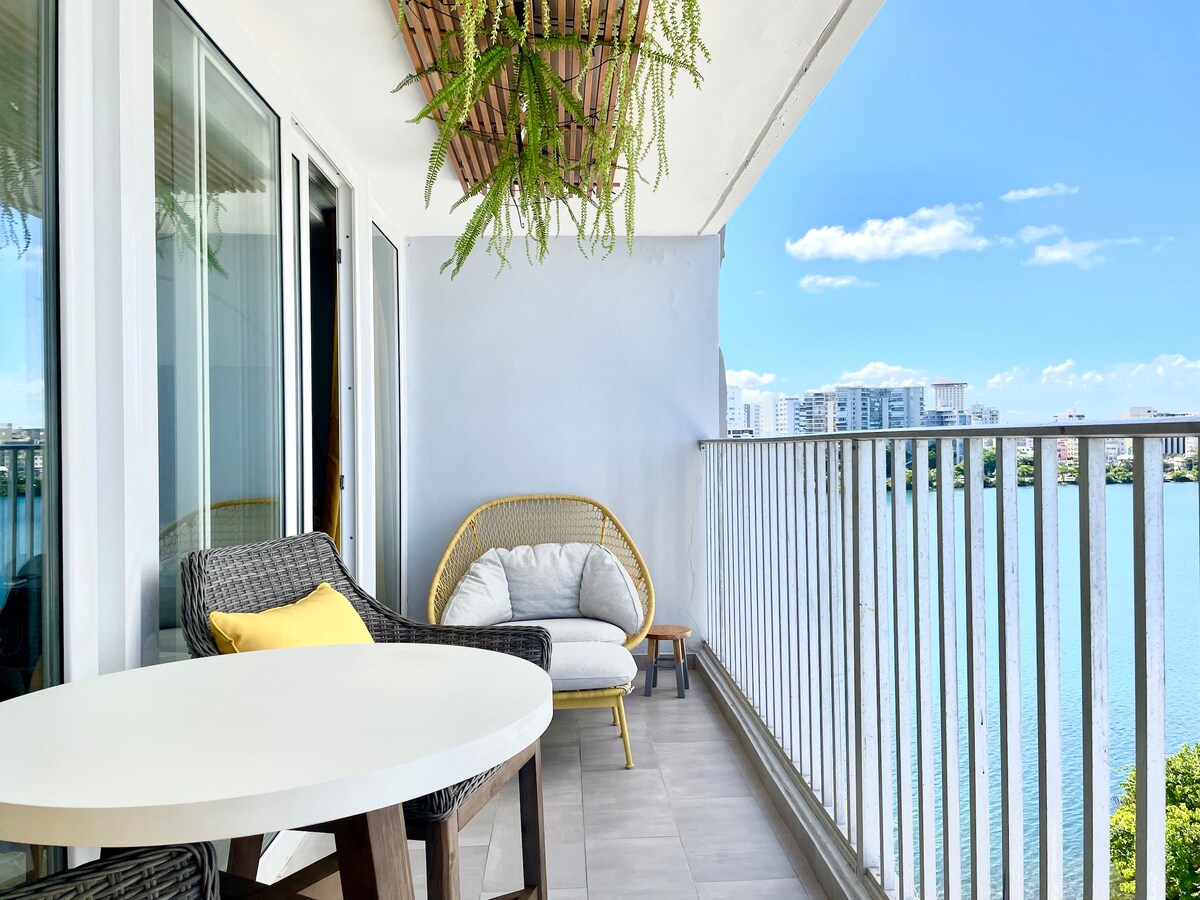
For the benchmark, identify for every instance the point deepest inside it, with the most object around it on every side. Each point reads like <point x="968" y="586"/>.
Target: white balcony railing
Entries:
<point x="886" y="645"/>
<point x="20" y="518"/>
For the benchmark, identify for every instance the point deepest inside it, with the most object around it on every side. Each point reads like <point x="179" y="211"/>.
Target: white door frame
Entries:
<point x="305" y="149"/>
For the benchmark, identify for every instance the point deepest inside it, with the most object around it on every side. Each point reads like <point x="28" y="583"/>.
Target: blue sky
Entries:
<point x="22" y="391"/>
<point x="1034" y="170"/>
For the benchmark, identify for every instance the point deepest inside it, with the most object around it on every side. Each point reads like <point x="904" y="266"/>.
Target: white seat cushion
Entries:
<point x="481" y="598"/>
<point x="543" y="581"/>
<point x="607" y="591"/>
<point x="572" y="631"/>
<point x="589" y="665"/>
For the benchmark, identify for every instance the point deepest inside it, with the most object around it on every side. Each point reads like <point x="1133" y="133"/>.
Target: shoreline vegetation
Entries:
<point x="1175" y="469"/>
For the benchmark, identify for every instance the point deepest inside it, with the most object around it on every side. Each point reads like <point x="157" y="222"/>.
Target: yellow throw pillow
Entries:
<point x="323" y="617"/>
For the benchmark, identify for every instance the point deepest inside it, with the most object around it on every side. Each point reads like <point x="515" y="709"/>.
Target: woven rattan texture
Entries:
<point x="228" y="523"/>
<point x="539" y="519"/>
<point x="182" y="872"/>
<point x="263" y="576"/>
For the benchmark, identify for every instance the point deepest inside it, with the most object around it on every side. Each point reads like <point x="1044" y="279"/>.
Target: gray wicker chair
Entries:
<point x="182" y="872"/>
<point x="256" y="577"/>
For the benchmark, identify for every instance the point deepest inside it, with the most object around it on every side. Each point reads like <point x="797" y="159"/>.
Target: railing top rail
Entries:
<point x="1166" y="426"/>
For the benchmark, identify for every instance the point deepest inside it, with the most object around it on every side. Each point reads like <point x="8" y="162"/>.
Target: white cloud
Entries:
<point x="1169" y="382"/>
<point x="747" y="379"/>
<point x="930" y="231"/>
<point x="816" y="283"/>
<point x="1031" y="234"/>
<point x="1079" y="253"/>
<point x="1128" y="240"/>
<point x="1049" y="190"/>
<point x="1060" y="374"/>
<point x="881" y="374"/>
<point x="1005" y="378"/>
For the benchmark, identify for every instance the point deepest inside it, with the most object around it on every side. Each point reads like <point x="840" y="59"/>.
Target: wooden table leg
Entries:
<point x="372" y="854"/>
<point x="244" y="854"/>
<point x="533" y="826"/>
<point x="441" y="859"/>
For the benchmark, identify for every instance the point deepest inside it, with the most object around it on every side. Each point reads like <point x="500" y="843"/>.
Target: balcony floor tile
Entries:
<point x="692" y="820"/>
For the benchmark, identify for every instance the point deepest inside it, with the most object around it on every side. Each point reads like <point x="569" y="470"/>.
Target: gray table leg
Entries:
<point x="651" y="673"/>
<point x="687" y="683"/>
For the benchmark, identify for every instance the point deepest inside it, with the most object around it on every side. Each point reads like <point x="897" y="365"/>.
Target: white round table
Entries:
<point x="258" y="742"/>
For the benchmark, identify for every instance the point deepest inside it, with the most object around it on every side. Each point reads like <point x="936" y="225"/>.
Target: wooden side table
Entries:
<point x="676" y="634"/>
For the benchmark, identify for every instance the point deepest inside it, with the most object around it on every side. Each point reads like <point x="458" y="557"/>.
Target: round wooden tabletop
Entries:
<point x="256" y="742"/>
<point x="668" y="632"/>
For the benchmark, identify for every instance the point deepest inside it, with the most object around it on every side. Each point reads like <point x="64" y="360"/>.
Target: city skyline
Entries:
<point x="762" y="412"/>
<point x="979" y="194"/>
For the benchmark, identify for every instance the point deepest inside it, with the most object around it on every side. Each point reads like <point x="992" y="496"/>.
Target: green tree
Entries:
<point x="989" y="462"/>
<point x="1183" y="830"/>
<point x="1119" y="475"/>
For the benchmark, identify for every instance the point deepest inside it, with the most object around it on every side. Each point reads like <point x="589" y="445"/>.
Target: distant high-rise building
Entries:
<point x="789" y="416"/>
<point x="983" y="415"/>
<point x="735" y="409"/>
<point x="861" y="408"/>
<point x="906" y="407"/>
<point x="1068" y="448"/>
<point x="819" y="411"/>
<point x="1175" y="445"/>
<point x="753" y="418"/>
<point x="874" y="408"/>
<point x="944" y="418"/>
<point x="949" y="395"/>
<point x="1070" y="415"/>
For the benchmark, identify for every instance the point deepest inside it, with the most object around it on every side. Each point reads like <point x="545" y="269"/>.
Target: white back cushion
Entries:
<point x="543" y="581"/>
<point x="607" y="591"/>
<point x="481" y="598"/>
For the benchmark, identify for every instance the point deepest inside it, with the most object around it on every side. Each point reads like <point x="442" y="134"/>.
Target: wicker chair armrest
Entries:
<point x="181" y="872"/>
<point x="527" y="642"/>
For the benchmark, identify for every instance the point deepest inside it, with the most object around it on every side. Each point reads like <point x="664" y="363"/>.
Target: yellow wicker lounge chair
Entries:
<point x="549" y="518"/>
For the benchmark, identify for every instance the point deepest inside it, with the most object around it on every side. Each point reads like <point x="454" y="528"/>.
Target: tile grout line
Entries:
<point x="678" y="835"/>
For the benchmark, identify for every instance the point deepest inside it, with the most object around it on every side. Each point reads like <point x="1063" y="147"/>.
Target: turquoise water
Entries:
<point x="1182" y="530"/>
<point x="6" y="536"/>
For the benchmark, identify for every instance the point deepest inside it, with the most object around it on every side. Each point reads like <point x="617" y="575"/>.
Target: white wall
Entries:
<point x="594" y="377"/>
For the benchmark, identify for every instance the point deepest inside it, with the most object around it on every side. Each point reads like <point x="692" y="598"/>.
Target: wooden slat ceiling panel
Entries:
<point x="426" y="24"/>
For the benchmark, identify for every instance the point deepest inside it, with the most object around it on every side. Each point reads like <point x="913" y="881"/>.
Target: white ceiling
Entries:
<point x="769" y="60"/>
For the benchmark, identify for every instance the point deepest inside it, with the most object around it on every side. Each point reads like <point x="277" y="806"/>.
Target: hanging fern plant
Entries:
<point x="555" y="144"/>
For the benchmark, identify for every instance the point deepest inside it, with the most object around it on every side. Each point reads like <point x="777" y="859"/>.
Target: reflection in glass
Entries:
<point x="219" y="307"/>
<point x="385" y="290"/>
<point x="324" y="315"/>
<point x="30" y="631"/>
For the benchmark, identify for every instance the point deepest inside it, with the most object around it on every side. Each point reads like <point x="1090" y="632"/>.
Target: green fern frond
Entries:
<point x="556" y="161"/>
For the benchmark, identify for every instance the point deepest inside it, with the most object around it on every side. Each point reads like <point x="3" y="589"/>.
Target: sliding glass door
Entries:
<point x="220" y="303"/>
<point x="30" y="607"/>
<point x="385" y="289"/>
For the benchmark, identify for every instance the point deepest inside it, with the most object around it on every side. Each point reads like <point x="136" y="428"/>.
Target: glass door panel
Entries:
<point x="30" y="626"/>
<point x="385" y="274"/>
<point x="324" y="340"/>
<point x="220" y="304"/>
